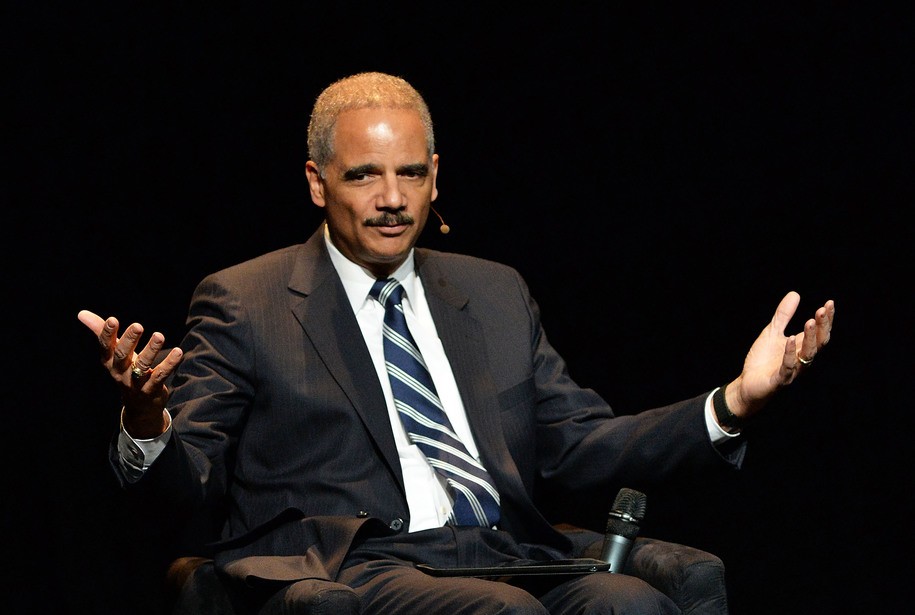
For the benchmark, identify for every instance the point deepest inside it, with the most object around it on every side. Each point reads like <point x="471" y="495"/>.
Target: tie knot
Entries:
<point x="388" y="292"/>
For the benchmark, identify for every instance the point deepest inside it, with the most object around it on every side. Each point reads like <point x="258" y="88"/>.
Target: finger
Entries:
<point x="824" y="318"/>
<point x="808" y="348"/>
<point x="145" y="358"/>
<point x="789" y="360"/>
<point x="124" y="350"/>
<point x="785" y="311"/>
<point x="141" y="368"/>
<point x="167" y="366"/>
<point x="107" y="331"/>
<point x="91" y="320"/>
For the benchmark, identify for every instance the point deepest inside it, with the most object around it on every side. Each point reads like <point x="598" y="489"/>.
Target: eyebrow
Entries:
<point x="418" y="168"/>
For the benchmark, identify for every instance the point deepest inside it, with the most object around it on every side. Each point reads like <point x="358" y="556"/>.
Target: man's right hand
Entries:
<point x="142" y="387"/>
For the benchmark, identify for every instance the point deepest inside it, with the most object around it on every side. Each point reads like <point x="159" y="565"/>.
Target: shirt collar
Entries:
<point x="357" y="281"/>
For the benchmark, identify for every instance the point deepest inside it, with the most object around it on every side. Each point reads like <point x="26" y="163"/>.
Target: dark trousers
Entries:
<point x="382" y="575"/>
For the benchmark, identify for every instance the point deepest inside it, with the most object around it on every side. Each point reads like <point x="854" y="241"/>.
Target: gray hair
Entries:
<point x="360" y="91"/>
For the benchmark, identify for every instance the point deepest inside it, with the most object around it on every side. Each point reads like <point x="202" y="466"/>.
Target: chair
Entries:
<point x="694" y="579"/>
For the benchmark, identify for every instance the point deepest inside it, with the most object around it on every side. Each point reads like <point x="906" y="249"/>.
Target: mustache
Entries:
<point x="390" y="219"/>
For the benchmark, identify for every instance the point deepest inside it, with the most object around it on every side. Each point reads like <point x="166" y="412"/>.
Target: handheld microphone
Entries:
<point x="444" y="228"/>
<point x="622" y="527"/>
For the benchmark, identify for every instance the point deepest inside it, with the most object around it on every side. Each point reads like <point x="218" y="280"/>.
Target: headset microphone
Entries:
<point x="444" y="228"/>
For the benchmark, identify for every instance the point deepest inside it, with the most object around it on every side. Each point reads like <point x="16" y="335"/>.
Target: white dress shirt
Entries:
<point x="426" y="494"/>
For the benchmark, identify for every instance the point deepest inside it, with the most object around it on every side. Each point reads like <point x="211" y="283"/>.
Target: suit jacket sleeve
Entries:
<point x="552" y="428"/>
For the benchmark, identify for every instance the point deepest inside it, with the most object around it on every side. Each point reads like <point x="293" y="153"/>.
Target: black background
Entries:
<point x="662" y="176"/>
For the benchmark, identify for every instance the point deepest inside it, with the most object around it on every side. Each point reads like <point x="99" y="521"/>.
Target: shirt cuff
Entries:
<point x="137" y="455"/>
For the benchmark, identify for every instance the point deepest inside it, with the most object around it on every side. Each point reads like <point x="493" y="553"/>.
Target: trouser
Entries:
<point x="382" y="575"/>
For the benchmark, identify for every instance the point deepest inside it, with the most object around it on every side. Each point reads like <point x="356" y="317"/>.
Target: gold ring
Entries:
<point x="136" y="373"/>
<point x="804" y="361"/>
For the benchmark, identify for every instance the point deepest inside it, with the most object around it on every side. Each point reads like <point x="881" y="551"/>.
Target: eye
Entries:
<point x="359" y="174"/>
<point x="414" y="171"/>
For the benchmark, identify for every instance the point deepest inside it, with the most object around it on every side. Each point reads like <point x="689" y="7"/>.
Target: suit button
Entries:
<point x="396" y="524"/>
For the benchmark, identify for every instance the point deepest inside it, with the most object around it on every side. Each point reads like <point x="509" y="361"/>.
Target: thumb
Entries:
<point x="92" y="320"/>
<point x="785" y="311"/>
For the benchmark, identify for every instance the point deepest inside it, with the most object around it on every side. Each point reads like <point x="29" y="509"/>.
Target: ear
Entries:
<point x="315" y="183"/>
<point x="434" y="176"/>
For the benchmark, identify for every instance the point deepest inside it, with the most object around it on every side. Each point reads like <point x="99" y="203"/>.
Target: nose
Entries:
<point x="392" y="197"/>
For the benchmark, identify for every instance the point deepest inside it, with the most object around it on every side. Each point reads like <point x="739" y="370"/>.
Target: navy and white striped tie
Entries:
<point x="476" y="501"/>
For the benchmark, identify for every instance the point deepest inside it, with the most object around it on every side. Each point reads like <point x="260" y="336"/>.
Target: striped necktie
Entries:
<point x="476" y="501"/>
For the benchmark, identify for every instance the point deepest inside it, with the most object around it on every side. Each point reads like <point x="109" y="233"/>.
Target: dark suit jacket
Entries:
<point x="278" y="414"/>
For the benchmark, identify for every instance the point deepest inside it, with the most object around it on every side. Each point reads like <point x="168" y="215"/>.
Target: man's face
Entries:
<point x="378" y="188"/>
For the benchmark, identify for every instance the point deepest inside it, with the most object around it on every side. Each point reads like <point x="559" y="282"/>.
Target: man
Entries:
<point x="287" y="403"/>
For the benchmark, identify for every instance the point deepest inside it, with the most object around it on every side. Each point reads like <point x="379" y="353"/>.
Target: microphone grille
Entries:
<point x="630" y="502"/>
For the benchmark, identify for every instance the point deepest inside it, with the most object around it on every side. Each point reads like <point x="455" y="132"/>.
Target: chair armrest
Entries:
<point x="694" y="579"/>
<point x="193" y="587"/>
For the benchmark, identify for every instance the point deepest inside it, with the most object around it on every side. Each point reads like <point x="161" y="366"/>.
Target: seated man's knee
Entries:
<point x="608" y="594"/>
<point x="633" y="595"/>
<point x="504" y="599"/>
<point x="313" y="597"/>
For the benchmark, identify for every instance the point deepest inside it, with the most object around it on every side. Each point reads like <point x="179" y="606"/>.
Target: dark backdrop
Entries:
<point x="660" y="175"/>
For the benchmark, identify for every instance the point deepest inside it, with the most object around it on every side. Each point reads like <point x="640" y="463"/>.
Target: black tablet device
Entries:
<point x="522" y="567"/>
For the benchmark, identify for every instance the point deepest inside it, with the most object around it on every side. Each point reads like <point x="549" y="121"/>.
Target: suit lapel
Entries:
<point x="464" y="343"/>
<point x="325" y="314"/>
